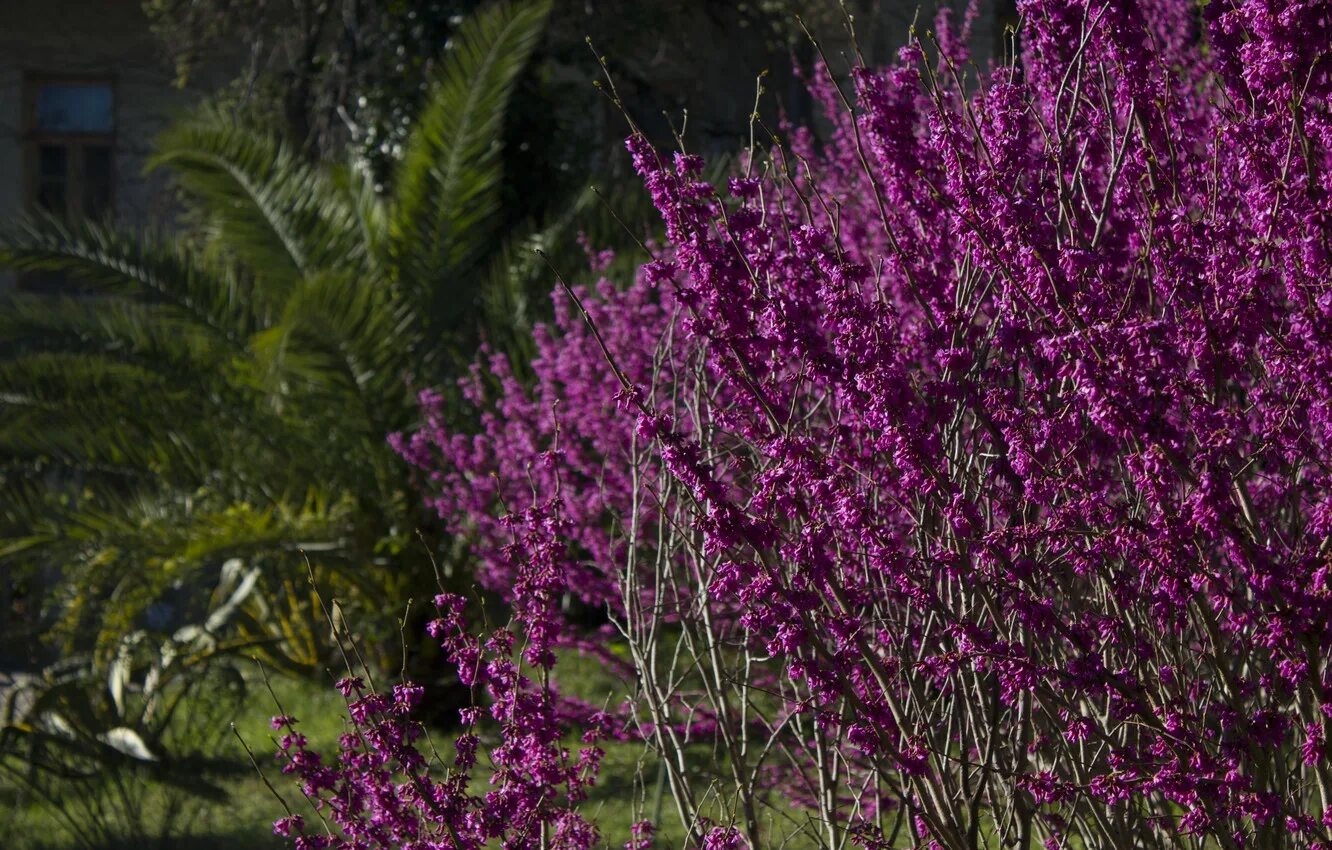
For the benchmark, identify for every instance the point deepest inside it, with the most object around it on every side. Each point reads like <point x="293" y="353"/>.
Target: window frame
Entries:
<point x="76" y="144"/>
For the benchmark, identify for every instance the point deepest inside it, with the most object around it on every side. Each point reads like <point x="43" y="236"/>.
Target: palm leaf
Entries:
<point x="519" y="281"/>
<point x="356" y="184"/>
<point x="352" y="335"/>
<point x="119" y="558"/>
<point x="153" y="268"/>
<point x="146" y="335"/>
<point x="448" y="186"/>
<point x="273" y="213"/>
<point x="71" y="404"/>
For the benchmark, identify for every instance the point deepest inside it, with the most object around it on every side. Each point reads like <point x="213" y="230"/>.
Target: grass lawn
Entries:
<point x="629" y="786"/>
<point x="242" y="822"/>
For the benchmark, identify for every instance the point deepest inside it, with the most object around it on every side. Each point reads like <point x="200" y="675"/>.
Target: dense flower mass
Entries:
<point x="960" y="478"/>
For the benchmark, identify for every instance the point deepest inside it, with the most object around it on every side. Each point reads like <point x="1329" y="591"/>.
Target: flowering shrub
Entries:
<point x="961" y="480"/>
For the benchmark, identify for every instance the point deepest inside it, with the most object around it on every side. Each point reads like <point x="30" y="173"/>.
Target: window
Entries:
<point x="69" y="171"/>
<point x="70" y="135"/>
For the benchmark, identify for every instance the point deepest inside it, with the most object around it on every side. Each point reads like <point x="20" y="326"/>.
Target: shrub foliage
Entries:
<point x="961" y="479"/>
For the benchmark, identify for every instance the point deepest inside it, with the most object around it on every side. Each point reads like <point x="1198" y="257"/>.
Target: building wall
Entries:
<point x="95" y="38"/>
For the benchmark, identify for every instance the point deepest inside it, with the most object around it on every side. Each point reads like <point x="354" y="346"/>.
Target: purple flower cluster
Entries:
<point x="384" y="791"/>
<point x="975" y="460"/>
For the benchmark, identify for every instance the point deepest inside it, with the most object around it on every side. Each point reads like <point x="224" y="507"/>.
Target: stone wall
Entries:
<point x="92" y="38"/>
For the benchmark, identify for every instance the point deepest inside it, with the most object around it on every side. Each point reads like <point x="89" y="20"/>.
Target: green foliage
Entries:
<point x="448" y="185"/>
<point x="267" y="208"/>
<point x="329" y="74"/>
<point x="208" y="414"/>
<point x="172" y="815"/>
<point x="227" y="396"/>
<point x="125" y="747"/>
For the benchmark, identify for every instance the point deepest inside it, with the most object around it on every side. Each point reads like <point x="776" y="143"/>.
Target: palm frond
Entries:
<point x="341" y="332"/>
<point x="275" y="214"/>
<point x="448" y="186"/>
<point x="146" y="335"/>
<point x="86" y="410"/>
<point x="519" y="280"/>
<point x="120" y="559"/>
<point x="356" y="184"/>
<point x="153" y="268"/>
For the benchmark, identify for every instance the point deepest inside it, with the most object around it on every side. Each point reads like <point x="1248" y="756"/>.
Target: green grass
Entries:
<point x="241" y="822"/>
<point x="629" y="786"/>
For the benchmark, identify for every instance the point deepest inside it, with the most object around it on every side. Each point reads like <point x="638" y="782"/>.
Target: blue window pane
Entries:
<point x="75" y="108"/>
